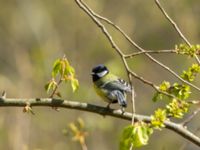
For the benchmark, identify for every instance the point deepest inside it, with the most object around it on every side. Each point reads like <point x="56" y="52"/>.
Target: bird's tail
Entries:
<point x="121" y="98"/>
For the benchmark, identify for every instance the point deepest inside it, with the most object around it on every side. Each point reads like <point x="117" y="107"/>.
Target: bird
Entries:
<point x="111" y="88"/>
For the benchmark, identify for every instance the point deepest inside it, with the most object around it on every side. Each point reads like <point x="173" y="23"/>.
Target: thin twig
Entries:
<point x="172" y="22"/>
<point x="175" y="26"/>
<point x="150" y="51"/>
<point x="132" y="88"/>
<point x="76" y="105"/>
<point x="3" y="94"/>
<point x="82" y="5"/>
<point x="190" y="117"/>
<point x="195" y="102"/>
<point x="84" y="146"/>
<point x="56" y="88"/>
<point x="133" y="99"/>
<point x="131" y="147"/>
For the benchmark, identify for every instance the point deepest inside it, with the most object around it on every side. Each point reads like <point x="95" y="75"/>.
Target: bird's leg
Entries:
<point x="123" y="110"/>
<point x="108" y="106"/>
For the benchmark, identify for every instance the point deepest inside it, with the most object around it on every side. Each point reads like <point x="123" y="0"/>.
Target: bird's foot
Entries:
<point x="108" y="106"/>
<point x="123" y="110"/>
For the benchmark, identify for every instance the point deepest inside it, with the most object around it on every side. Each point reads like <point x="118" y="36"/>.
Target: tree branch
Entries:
<point x="190" y="117"/>
<point x="172" y="22"/>
<point x="94" y="17"/>
<point x="49" y="102"/>
<point x="150" y="51"/>
<point x="175" y="26"/>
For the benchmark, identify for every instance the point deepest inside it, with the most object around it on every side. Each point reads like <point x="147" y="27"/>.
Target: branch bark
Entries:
<point x="49" y="102"/>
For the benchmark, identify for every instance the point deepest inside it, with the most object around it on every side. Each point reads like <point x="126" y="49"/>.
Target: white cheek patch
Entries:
<point x="103" y="73"/>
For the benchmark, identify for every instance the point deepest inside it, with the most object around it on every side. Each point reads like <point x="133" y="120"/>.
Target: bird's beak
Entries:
<point x="92" y="73"/>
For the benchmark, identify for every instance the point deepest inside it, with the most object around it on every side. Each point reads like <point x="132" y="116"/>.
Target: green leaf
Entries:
<point x="157" y="120"/>
<point x="56" y="68"/>
<point x="74" y="84"/>
<point x="51" y="85"/>
<point x="65" y="66"/>
<point x="157" y="96"/>
<point x="188" y="50"/>
<point x="191" y="73"/>
<point x="181" y="91"/>
<point x="136" y="135"/>
<point x="177" y="108"/>
<point x="47" y="87"/>
<point x="164" y="86"/>
<point x="126" y="138"/>
<point x="69" y="70"/>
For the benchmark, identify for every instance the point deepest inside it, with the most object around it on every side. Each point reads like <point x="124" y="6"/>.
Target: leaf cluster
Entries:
<point x="77" y="129"/>
<point x="135" y="135"/>
<point x="188" y="50"/>
<point x="157" y="120"/>
<point x="63" y="72"/>
<point x="191" y="73"/>
<point x="177" y="105"/>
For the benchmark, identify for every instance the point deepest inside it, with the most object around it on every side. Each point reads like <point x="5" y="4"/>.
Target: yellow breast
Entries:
<point x="102" y="94"/>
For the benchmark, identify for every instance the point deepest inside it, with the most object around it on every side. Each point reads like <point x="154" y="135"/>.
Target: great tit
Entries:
<point x="111" y="88"/>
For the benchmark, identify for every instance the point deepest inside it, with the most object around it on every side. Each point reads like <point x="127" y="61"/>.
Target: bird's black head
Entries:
<point x="99" y="71"/>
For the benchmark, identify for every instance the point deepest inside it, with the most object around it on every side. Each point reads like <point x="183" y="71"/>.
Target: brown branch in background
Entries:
<point x="175" y="26"/>
<point x="49" y="102"/>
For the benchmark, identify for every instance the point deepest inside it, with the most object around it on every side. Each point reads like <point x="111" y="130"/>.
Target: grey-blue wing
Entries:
<point x="118" y="84"/>
<point x="119" y="96"/>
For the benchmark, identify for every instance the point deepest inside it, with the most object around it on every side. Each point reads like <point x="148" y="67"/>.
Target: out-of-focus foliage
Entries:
<point x="77" y="129"/>
<point x="35" y="33"/>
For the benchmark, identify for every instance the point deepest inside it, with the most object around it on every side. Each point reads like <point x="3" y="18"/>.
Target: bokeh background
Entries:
<point x="34" y="33"/>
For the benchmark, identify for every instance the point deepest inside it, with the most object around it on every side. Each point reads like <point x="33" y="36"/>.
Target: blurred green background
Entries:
<point x="34" y="33"/>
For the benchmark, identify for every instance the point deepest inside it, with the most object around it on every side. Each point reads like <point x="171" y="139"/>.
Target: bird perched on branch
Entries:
<point x="110" y="87"/>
